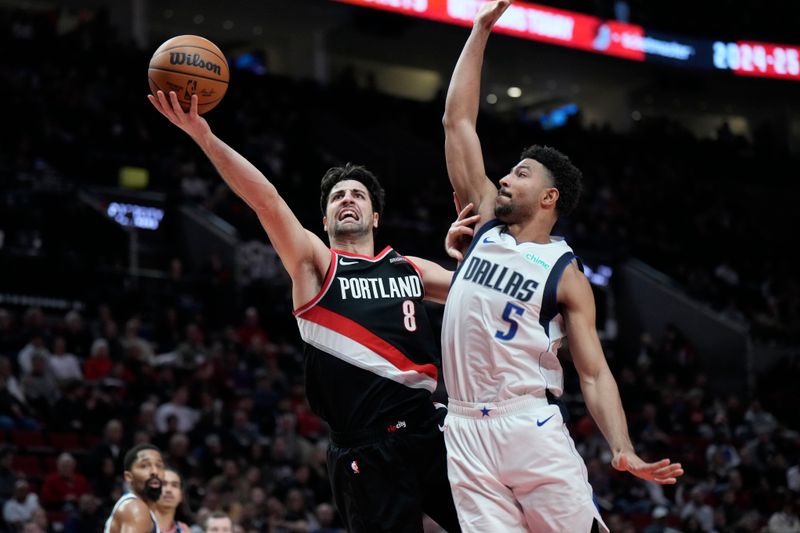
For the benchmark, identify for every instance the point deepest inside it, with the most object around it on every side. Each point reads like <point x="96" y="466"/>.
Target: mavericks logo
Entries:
<point x="536" y="260"/>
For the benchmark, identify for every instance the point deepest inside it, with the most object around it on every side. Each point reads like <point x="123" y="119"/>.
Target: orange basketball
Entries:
<point x="189" y="64"/>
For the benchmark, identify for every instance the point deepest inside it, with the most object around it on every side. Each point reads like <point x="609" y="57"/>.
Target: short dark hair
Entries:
<point x="130" y="457"/>
<point x="352" y="172"/>
<point x="565" y="175"/>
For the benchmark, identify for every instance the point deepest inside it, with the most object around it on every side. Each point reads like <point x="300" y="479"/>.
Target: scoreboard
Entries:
<point x="612" y="38"/>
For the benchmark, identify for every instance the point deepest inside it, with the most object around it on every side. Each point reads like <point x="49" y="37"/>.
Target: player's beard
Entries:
<point x="151" y="493"/>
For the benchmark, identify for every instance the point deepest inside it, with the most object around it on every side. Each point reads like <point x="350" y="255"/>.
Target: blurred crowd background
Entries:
<point x="111" y="336"/>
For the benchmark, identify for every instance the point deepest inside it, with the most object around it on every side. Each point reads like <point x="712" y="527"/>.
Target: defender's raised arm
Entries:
<point x="462" y="146"/>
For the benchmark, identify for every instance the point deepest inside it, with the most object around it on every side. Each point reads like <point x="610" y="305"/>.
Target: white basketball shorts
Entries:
<point x="513" y="467"/>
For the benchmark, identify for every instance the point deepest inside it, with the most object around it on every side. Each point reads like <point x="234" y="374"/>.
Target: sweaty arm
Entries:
<point x="465" y="164"/>
<point x="435" y="277"/>
<point x="133" y="517"/>
<point x="598" y="385"/>
<point x="302" y="253"/>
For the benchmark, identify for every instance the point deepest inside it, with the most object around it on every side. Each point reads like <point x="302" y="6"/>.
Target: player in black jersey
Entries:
<point x="371" y="358"/>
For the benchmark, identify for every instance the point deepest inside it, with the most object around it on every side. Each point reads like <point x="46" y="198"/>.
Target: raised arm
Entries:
<point x="302" y="253"/>
<point x="598" y="385"/>
<point x="462" y="146"/>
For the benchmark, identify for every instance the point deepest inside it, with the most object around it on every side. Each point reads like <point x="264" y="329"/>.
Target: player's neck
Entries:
<point x="165" y="518"/>
<point x="361" y="245"/>
<point x="537" y="231"/>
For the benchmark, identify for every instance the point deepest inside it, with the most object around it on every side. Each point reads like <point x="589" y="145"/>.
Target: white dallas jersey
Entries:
<point x="125" y="497"/>
<point x="502" y="328"/>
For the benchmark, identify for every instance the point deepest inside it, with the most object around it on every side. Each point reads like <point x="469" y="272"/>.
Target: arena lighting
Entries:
<point x="514" y="92"/>
<point x="134" y="215"/>
<point x="629" y="41"/>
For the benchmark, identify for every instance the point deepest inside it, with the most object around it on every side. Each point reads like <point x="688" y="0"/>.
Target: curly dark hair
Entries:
<point x="566" y="176"/>
<point x="352" y="172"/>
<point x="133" y="453"/>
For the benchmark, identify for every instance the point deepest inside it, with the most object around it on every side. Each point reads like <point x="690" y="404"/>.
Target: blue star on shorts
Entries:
<point x="485" y="411"/>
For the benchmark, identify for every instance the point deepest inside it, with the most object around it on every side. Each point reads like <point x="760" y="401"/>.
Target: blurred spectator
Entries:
<point x="36" y="346"/>
<point x="19" y="509"/>
<point x="13" y="412"/>
<point x="218" y="522"/>
<point x="326" y="516"/>
<point x="785" y="520"/>
<point x="177" y="406"/>
<point x="697" y="509"/>
<point x="65" y="366"/>
<point x="112" y="444"/>
<point x="39" y="387"/>
<point x="76" y="335"/>
<point x="62" y="488"/>
<point x="659" y="523"/>
<point x="251" y="328"/>
<point x="88" y="516"/>
<point x="98" y="366"/>
<point x="39" y="523"/>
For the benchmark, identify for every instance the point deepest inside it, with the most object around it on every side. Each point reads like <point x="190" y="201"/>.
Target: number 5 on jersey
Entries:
<point x="409" y="315"/>
<point x="511" y="309"/>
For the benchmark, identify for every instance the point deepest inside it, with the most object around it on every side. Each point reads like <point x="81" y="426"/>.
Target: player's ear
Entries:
<point x="325" y="223"/>
<point x="550" y="197"/>
<point x="375" y="218"/>
<point x="128" y="477"/>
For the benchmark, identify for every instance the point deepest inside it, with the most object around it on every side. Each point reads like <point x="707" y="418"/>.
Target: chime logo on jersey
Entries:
<point x="500" y="278"/>
<point x="374" y="288"/>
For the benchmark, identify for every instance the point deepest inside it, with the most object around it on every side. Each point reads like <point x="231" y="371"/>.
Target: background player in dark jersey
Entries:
<point x="167" y="505"/>
<point x="371" y="362"/>
<point x="144" y="475"/>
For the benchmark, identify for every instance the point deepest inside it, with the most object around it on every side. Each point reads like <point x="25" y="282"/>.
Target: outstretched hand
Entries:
<point x="191" y="122"/>
<point x="663" y="472"/>
<point x="491" y="12"/>
<point x="460" y="232"/>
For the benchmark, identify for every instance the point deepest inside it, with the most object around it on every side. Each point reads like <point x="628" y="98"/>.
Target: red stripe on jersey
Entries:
<point x="360" y="256"/>
<point x="325" y="285"/>
<point x="355" y="331"/>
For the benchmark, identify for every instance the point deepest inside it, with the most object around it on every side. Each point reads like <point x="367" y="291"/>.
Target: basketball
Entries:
<point x="189" y="64"/>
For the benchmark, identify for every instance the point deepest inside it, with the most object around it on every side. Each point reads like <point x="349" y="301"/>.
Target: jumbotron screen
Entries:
<point x="630" y="41"/>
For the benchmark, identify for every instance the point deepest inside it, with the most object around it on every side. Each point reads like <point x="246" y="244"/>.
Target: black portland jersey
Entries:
<point x="370" y="352"/>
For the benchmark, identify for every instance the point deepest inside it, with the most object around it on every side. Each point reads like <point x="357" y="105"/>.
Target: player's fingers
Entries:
<point x="465" y="211"/>
<point x="457" y="202"/>
<point x="166" y="108"/>
<point x="464" y="230"/>
<point x="176" y="105"/>
<point x="455" y="254"/>
<point x="193" y="107"/>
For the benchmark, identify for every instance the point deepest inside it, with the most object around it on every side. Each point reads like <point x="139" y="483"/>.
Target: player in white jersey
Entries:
<point x="144" y="476"/>
<point x="518" y="292"/>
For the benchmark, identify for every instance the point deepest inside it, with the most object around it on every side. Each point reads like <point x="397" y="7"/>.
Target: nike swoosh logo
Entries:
<point x="441" y="428"/>
<point x="540" y="423"/>
<point x="345" y="263"/>
<point x="486" y="240"/>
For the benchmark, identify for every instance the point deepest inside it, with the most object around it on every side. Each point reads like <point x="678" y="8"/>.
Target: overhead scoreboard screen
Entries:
<point x="629" y="41"/>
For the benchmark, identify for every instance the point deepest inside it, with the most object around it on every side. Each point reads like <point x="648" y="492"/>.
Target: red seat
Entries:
<point x="27" y="464"/>
<point x="25" y="439"/>
<point x="65" y="441"/>
<point x="57" y="519"/>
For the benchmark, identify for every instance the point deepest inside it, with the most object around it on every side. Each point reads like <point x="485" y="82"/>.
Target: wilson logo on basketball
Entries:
<point x="193" y="60"/>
